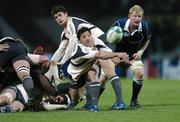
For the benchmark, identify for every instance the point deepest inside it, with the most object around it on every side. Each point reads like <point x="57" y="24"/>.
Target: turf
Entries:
<point x="159" y="99"/>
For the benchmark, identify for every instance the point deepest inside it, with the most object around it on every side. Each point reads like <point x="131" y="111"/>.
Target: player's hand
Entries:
<point x="124" y="56"/>
<point x="124" y="63"/>
<point x="121" y="62"/>
<point x="4" y="47"/>
<point x="39" y="50"/>
<point x="136" y="56"/>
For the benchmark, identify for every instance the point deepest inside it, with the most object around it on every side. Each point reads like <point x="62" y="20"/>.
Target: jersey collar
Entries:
<point x="126" y="26"/>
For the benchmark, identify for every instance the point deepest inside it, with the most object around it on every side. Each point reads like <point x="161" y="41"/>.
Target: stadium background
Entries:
<point x="32" y="22"/>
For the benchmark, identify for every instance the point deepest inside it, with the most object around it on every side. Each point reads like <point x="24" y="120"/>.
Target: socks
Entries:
<point x="28" y="86"/>
<point x="92" y="92"/>
<point x="136" y="87"/>
<point x="117" y="88"/>
<point x="102" y="88"/>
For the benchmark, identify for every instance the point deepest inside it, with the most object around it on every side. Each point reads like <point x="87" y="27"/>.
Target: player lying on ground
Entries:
<point x="13" y="97"/>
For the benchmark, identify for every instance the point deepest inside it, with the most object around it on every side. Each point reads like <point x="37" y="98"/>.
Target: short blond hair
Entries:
<point x="136" y="8"/>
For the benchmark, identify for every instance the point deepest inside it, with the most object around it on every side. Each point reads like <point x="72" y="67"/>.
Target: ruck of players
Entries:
<point x="30" y="81"/>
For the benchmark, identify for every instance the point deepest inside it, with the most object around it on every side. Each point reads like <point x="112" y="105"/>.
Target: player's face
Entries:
<point x="86" y="39"/>
<point x="61" y="18"/>
<point x="135" y="18"/>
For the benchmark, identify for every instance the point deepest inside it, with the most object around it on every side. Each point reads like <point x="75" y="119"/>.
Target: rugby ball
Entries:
<point x="114" y="35"/>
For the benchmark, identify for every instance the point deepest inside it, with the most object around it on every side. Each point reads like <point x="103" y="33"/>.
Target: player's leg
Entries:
<point x="92" y="92"/>
<point x="93" y="75"/>
<point x="7" y="96"/>
<point x="19" y="99"/>
<point x="22" y="69"/>
<point x="74" y="90"/>
<point x="103" y="80"/>
<point x="109" y="69"/>
<point x="74" y="97"/>
<point x="138" y="71"/>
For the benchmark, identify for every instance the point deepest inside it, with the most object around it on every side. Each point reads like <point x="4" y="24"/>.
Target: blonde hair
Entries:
<point x="136" y="8"/>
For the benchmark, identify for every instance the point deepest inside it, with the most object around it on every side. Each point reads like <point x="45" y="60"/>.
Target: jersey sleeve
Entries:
<point x="60" y="51"/>
<point x="148" y="32"/>
<point x="90" y="54"/>
<point x="99" y="44"/>
<point x="82" y="52"/>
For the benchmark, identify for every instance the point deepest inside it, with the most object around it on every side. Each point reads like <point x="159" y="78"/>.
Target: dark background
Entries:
<point x="31" y="20"/>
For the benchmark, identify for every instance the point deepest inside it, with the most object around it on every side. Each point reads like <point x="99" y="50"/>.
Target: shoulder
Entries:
<point x="123" y="20"/>
<point x="145" y="25"/>
<point x="80" y="20"/>
<point x="64" y="36"/>
<point x="79" y="51"/>
<point x="120" y="22"/>
<point x="6" y="38"/>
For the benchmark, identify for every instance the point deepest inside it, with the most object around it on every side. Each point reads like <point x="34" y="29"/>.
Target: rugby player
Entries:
<point x="69" y="41"/>
<point x="136" y="37"/>
<point x="82" y="60"/>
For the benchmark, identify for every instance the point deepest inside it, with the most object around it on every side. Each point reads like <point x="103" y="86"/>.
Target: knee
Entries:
<point x="22" y="71"/>
<point x="6" y="98"/>
<point x="138" y="70"/>
<point x="139" y="74"/>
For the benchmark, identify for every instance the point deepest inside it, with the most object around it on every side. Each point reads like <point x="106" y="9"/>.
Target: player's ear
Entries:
<point x="129" y="15"/>
<point x="66" y="13"/>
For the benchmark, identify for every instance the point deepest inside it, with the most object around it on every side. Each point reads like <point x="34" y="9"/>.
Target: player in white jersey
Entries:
<point x="82" y="60"/>
<point x="69" y="41"/>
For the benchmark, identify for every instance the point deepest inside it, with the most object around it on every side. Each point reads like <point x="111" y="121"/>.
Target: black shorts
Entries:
<point x="16" y="51"/>
<point x="81" y="82"/>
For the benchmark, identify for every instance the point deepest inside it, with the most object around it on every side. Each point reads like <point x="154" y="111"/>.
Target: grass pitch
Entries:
<point x="159" y="99"/>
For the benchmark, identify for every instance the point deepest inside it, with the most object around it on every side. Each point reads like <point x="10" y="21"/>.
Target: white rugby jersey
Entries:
<point x="81" y="61"/>
<point x="69" y="38"/>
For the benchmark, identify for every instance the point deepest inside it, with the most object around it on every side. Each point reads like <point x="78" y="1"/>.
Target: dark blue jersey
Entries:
<point x="132" y="42"/>
<point x="16" y="51"/>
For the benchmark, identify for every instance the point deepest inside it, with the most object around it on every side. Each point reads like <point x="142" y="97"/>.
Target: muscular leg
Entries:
<point x="109" y="70"/>
<point x="22" y="69"/>
<point x="92" y="76"/>
<point x="7" y="96"/>
<point x="138" y="71"/>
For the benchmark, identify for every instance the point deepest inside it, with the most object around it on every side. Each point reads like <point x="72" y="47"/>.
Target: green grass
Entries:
<point x="160" y="100"/>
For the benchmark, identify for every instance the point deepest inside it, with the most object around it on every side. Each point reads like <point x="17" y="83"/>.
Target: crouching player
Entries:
<point x="81" y="64"/>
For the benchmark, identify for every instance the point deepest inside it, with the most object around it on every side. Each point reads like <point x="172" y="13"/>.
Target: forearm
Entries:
<point x="57" y="55"/>
<point x="38" y="59"/>
<point x="105" y="55"/>
<point x="69" y="50"/>
<point x="60" y="51"/>
<point x="141" y="51"/>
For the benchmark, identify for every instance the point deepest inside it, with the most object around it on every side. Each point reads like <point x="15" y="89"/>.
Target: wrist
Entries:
<point x="140" y="52"/>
